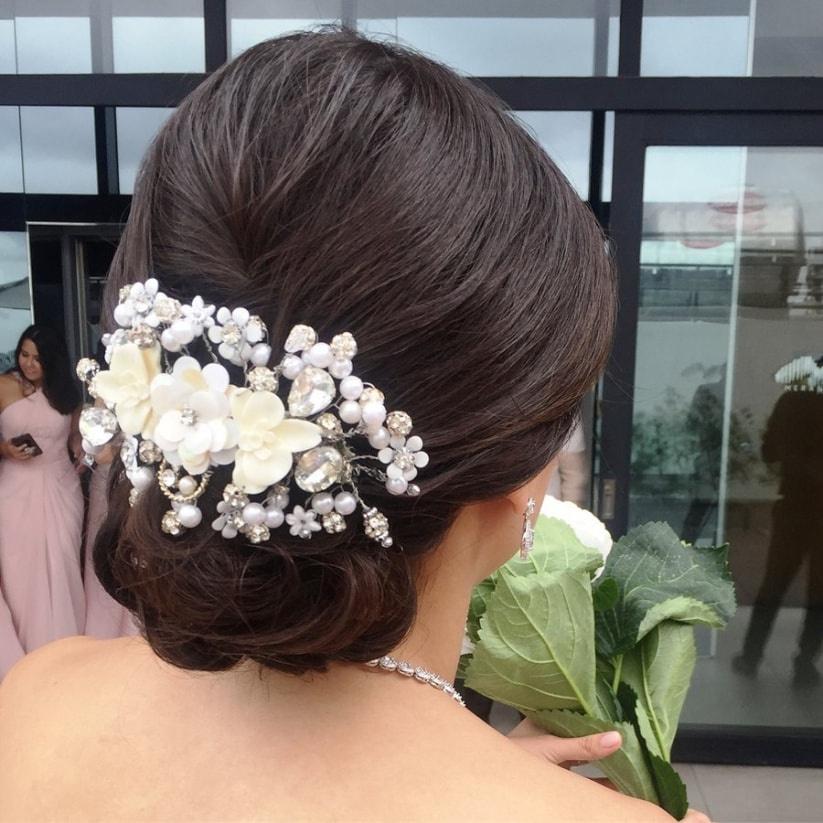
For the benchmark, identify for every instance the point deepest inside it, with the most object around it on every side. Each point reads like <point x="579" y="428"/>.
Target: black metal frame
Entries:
<point x="648" y="111"/>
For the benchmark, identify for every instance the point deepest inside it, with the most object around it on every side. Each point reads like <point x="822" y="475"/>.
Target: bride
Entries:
<point x="348" y="186"/>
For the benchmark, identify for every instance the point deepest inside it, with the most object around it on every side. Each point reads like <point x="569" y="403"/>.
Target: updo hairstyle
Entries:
<point x="326" y="179"/>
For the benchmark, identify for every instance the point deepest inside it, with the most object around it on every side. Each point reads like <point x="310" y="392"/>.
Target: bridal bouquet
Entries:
<point x="586" y="637"/>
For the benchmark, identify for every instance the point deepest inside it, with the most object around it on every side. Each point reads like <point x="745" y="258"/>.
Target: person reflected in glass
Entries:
<point x="793" y="440"/>
<point x="41" y="502"/>
<point x="704" y="422"/>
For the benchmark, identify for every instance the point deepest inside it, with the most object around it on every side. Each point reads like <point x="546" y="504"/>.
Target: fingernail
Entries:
<point x="611" y="740"/>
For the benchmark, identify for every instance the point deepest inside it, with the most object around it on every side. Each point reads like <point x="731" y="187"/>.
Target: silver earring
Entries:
<point x="527" y="539"/>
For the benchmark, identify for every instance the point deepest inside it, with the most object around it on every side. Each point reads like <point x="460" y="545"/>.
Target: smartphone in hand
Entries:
<point x="28" y="443"/>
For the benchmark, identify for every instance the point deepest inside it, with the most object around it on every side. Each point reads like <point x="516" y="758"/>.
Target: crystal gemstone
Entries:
<point x="97" y="425"/>
<point x="318" y="468"/>
<point x="312" y="391"/>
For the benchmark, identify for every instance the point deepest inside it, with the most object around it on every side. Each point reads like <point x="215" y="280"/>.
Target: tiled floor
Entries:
<point x="755" y="794"/>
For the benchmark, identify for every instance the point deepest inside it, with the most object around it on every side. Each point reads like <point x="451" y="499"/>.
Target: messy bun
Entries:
<point x="326" y="179"/>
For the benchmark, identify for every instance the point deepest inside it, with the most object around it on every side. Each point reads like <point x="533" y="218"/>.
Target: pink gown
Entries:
<point x="41" y="520"/>
<point x="105" y="617"/>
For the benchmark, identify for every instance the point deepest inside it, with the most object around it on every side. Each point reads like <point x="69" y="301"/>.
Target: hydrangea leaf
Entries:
<point x="536" y="643"/>
<point x="626" y="768"/>
<point x="659" y="670"/>
<point x="651" y="566"/>
<point x="477" y="606"/>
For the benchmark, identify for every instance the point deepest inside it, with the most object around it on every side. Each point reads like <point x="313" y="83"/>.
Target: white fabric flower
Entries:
<point x="113" y="340"/>
<point x="403" y="457"/>
<point x="236" y="332"/>
<point x="302" y="523"/>
<point x="587" y="528"/>
<point x="194" y="428"/>
<point x="136" y="302"/>
<point x="125" y="386"/>
<point x="199" y="315"/>
<point x="267" y="440"/>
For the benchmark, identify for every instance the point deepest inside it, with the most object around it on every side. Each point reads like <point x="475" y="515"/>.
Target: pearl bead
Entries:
<point x="229" y="532"/>
<point x="396" y="485"/>
<point x="380" y="439"/>
<point x="261" y="354"/>
<point x="123" y="315"/>
<point x="183" y="330"/>
<point x="341" y="369"/>
<point x="254" y="514"/>
<point x="322" y="503"/>
<point x="345" y="503"/>
<point x="292" y="365"/>
<point x="189" y="515"/>
<point x="187" y="485"/>
<point x="320" y="355"/>
<point x="373" y="415"/>
<point x="141" y="478"/>
<point x="351" y="387"/>
<point x="169" y="341"/>
<point x="274" y="518"/>
<point x="350" y="411"/>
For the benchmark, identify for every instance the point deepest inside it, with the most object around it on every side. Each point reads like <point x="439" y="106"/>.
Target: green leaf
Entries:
<point x="536" y="645"/>
<point x="670" y="788"/>
<point x="556" y="548"/>
<point x="651" y="566"/>
<point x="659" y="670"/>
<point x="606" y="595"/>
<point x="626" y="768"/>
<point x="477" y="605"/>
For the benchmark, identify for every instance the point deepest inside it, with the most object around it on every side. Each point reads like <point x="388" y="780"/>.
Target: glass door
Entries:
<point x="721" y="256"/>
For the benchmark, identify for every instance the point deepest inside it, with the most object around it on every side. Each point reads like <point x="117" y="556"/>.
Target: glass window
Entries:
<point x="83" y="36"/>
<point x="732" y="38"/>
<point x="58" y="150"/>
<point x="135" y="130"/>
<point x="503" y="38"/>
<point x="566" y="136"/>
<point x="15" y="293"/>
<point x="55" y="42"/>
<point x="727" y="444"/>
<point x="159" y="36"/>
<point x="11" y="159"/>
<point x="252" y="21"/>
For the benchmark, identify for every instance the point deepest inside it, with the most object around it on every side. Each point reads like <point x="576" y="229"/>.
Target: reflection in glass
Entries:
<point x="498" y="38"/>
<point x="735" y="38"/>
<point x="566" y="136"/>
<point x="252" y="21"/>
<point x="80" y="37"/>
<point x="731" y="290"/>
<point x="15" y="293"/>
<point x="58" y="149"/>
<point x="158" y="36"/>
<point x="11" y="158"/>
<point x="135" y="131"/>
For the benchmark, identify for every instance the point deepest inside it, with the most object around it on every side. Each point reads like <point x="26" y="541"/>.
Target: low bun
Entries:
<point x="355" y="186"/>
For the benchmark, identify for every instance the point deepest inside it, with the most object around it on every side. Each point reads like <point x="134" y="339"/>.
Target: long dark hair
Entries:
<point x="327" y="179"/>
<point x="60" y="386"/>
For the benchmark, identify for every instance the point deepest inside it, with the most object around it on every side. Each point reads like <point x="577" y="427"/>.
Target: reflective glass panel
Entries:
<point x="58" y="150"/>
<point x="15" y="293"/>
<point x="731" y="294"/>
<point x="135" y="130"/>
<point x="566" y="136"/>
<point x="159" y="36"/>
<point x="732" y="38"/>
<point x="498" y="38"/>
<point x="252" y="21"/>
<point x="11" y="159"/>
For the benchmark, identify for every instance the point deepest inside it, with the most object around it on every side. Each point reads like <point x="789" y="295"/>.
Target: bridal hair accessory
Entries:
<point x="300" y="425"/>
<point x="801" y="374"/>
<point x="527" y="538"/>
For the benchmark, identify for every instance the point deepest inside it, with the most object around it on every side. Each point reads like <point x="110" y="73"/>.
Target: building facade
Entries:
<point x="694" y="128"/>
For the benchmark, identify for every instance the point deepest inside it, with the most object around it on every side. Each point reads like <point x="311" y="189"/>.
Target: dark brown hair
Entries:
<point x="326" y="179"/>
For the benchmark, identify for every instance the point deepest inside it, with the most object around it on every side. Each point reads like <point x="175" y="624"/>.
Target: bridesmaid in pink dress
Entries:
<point x="105" y="617"/>
<point x="41" y="504"/>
